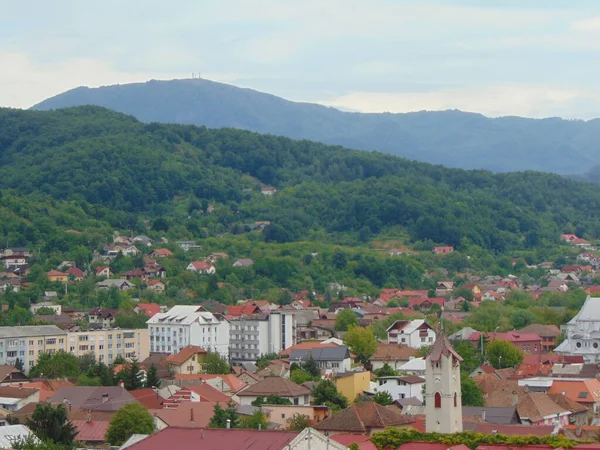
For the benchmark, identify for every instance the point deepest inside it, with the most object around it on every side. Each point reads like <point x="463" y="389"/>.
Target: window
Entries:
<point x="83" y="338"/>
<point x="51" y="341"/>
<point x="40" y="342"/>
<point x="403" y="339"/>
<point x="455" y="400"/>
<point x="61" y="341"/>
<point x="423" y="339"/>
<point x="30" y="342"/>
<point x="30" y="352"/>
<point x="11" y="354"/>
<point x="438" y="400"/>
<point x="283" y="416"/>
<point x="128" y="335"/>
<point x="578" y="345"/>
<point x="430" y="339"/>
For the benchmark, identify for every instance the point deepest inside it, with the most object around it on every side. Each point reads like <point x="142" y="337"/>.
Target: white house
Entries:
<point x="14" y="398"/>
<point x="201" y="267"/>
<point x="416" y="366"/>
<point x="402" y="387"/>
<point x="11" y="434"/>
<point x="186" y="325"/>
<point x="335" y="358"/>
<point x="583" y="333"/>
<point x="252" y="336"/>
<point x="56" y="308"/>
<point x="414" y="333"/>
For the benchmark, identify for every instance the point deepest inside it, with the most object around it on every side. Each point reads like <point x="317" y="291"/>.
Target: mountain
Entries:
<point x="452" y="138"/>
<point x="113" y="168"/>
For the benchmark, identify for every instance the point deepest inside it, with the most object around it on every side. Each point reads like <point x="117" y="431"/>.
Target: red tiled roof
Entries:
<point x="580" y="391"/>
<point x="360" y="439"/>
<point x="216" y="439"/>
<point x="274" y="386"/>
<point x="418" y="301"/>
<point x="186" y="415"/>
<point x="92" y="431"/>
<point x="148" y="397"/>
<point x="163" y="252"/>
<point x="393" y="352"/>
<point x="234" y="383"/>
<point x="209" y="393"/>
<point x="244" y="310"/>
<point x="75" y="272"/>
<point x="510" y="336"/>
<point x="184" y="354"/>
<point x="423" y="446"/>
<point x="56" y="273"/>
<point x="201" y="265"/>
<point x="362" y="417"/>
<point x="151" y="309"/>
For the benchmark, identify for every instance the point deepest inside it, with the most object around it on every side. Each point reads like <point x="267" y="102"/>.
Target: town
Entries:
<point x="340" y="371"/>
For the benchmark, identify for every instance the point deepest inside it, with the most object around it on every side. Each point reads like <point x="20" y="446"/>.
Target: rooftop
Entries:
<point x="362" y="417"/>
<point x="30" y="330"/>
<point x="274" y="386"/>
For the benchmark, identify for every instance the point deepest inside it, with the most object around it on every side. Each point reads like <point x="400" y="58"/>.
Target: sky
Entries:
<point x="532" y="58"/>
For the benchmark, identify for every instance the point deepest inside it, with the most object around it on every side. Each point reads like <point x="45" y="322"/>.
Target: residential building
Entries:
<point x="400" y="387"/>
<point x="9" y="434"/>
<point x="150" y="309"/>
<point x="583" y="332"/>
<point x="185" y="325"/>
<point x="364" y="418"/>
<point x="335" y="358"/>
<point x="585" y="392"/>
<point x="14" y="398"/>
<point x="443" y="250"/>
<point x="201" y="267"/>
<point x="444" y="288"/>
<point x="297" y="394"/>
<point x="161" y="253"/>
<point x="157" y="286"/>
<point x="187" y="361"/>
<point x="91" y="432"/>
<point x="351" y="384"/>
<point x="102" y="316"/>
<point x="393" y="355"/>
<point x="56" y="308"/>
<point x="121" y="285"/>
<point x="548" y="333"/>
<point x="415" y="366"/>
<point x="258" y="334"/>
<point x="281" y="414"/>
<point x="188" y="245"/>
<point x="75" y="274"/>
<point x="243" y="262"/>
<point x="528" y="342"/>
<point x="28" y="342"/>
<point x="10" y="375"/>
<point x="15" y="257"/>
<point x="108" y="344"/>
<point x="54" y="276"/>
<point x="268" y="190"/>
<point x="414" y="333"/>
<point x="107" y="399"/>
<point x="103" y="271"/>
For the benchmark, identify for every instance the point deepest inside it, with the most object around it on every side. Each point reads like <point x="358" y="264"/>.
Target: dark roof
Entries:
<point x="442" y="346"/>
<point x="274" y="386"/>
<point x="408" y="401"/>
<point x="215" y="439"/>
<point x="94" y="398"/>
<point x="103" y="312"/>
<point x="16" y="392"/>
<point x="8" y="373"/>
<point x="497" y="415"/>
<point x="362" y="417"/>
<point x="158" y="359"/>
<point x="320" y="353"/>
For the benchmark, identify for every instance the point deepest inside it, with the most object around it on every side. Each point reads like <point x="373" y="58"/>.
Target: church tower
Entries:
<point x="443" y="409"/>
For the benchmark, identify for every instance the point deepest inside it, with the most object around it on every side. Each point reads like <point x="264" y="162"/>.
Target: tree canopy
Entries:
<point x="133" y="418"/>
<point x="502" y="354"/>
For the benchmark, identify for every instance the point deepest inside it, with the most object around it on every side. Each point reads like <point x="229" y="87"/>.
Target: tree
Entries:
<point x="86" y="361"/>
<point x="325" y="393"/>
<point x="263" y="361"/>
<point x="19" y="364"/>
<point x="85" y="380"/>
<point x="472" y="357"/>
<point x="472" y="395"/>
<point x="58" y="365"/>
<point x="344" y="319"/>
<point x="299" y="422"/>
<point x="49" y="423"/>
<point x="311" y="367"/>
<point x="45" y="311"/>
<point x="216" y="364"/>
<point x="300" y="376"/>
<point x="31" y="442"/>
<point x="463" y="292"/>
<point x="256" y="421"/>
<point x="133" y="418"/>
<point x="221" y="416"/>
<point x="502" y="354"/>
<point x="361" y="342"/>
<point x="131" y="320"/>
<point x="132" y="376"/>
<point x="271" y="400"/>
<point x="385" y="371"/>
<point x="422" y="352"/>
<point x="383" y="398"/>
<point x="152" y="379"/>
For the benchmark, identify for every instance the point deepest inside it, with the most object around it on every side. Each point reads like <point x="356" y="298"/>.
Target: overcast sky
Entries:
<point x="532" y="58"/>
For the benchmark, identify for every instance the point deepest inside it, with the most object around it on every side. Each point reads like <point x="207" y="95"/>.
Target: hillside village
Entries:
<point x="294" y="363"/>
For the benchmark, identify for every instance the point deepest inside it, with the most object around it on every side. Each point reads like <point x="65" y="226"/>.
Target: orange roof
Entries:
<point x="306" y="345"/>
<point x="184" y="354"/>
<point x="47" y="388"/>
<point x="580" y="391"/>
<point x="243" y="310"/>
<point x="234" y="383"/>
<point x="187" y="415"/>
<point x="209" y="393"/>
<point x="163" y="252"/>
<point x="56" y="273"/>
<point x="148" y="397"/>
<point x="151" y="309"/>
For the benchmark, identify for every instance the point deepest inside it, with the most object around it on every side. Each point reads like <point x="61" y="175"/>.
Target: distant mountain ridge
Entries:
<point x="452" y="138"/>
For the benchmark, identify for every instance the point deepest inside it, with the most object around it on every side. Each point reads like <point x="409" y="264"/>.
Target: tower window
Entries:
<point x="438" y="400"/>
<point x="455" y="400"/>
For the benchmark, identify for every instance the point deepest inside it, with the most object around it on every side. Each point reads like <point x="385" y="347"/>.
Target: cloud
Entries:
<point x="497" y="100"/>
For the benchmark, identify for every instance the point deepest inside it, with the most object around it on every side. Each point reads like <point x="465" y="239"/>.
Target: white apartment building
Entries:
<point x="186" y="325"/>
<point x="252" y="336"/>
<point x="414" y="333"/>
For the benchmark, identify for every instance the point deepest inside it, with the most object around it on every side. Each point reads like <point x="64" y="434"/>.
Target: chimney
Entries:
<point x="88" y="418"/>
<point x="228" y="423"/>
<point x="192" y="414"/>
<point x="121" y="383"/>
<point x="483" y="415"/>
<point x="515" y="398"/>
<point x="104" y="398"/>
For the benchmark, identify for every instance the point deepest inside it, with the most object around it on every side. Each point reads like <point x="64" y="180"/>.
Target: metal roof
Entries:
<point x="321" y="354"/>
<point x="30" y="330"/>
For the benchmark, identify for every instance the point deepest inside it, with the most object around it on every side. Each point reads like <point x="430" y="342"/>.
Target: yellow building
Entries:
<point x="28" y="342"/>
<point x="350" y="384"/>
<point x="107" y="345"/>
<point x="56" y="276"/>
<point x="282" y="414"/>
<point x="189" y="360"/>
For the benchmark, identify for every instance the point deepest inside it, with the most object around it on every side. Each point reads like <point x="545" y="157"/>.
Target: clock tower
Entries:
<point x="443" y="409"/>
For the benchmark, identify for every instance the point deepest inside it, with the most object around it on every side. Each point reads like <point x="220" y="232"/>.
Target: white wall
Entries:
<point x="398" y="389"/>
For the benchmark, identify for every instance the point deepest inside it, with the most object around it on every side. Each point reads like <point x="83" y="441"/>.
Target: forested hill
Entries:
<point x="451" y="138"/>
<point x="120" y="170"/>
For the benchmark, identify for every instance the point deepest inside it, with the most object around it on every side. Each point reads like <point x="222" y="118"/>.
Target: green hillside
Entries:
<point x="121" y="171"/>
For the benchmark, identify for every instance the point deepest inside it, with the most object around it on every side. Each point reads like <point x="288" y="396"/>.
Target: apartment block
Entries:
<point x="108" y="344"/>
<point x="255" y="335"/>
<point x="28" y="342"/>
<point x="185" y="325"/>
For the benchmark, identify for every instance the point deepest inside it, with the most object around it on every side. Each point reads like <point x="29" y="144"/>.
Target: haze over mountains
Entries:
<point x="452" y="138"/>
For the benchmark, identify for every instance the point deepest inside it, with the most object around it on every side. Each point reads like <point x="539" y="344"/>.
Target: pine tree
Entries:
<point x="133" y="379"/>
<point x="152" y="379"/>
<point x="19" y="365"/>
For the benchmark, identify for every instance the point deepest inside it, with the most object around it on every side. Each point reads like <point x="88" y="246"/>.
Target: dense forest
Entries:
<point x="113" y="168"/>
<point x="451" y="138"/>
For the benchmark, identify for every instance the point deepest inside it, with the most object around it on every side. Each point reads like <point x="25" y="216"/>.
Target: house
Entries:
<point x="364" y="418"/>
<point x="75" y="274"/>
<point x="528" y="342"/>
<point x="103" y="271"/>
<point x="202" y="393"/>
<point x="498" y="415"/>
<point x="10" y="375"/>
<point x="281" y="414"/>
<point x="351" y="384"/>
<point x="268" y="190"/>
<point x="444" y="288"/>
<point x="104" y="316"/>
<point x="15" y="398"/>
<point x="9" y="434"/>
<point x="443" y="250"/>
<point x="188" y="245"/>
<point x="414" y="333"/>
<point x="157" y="286"/>
<point x="415" y="366"/>
<point x="400" y="387"/>
<point x="36" y="306"/>
<point x="150" y="309"/>
<point x="91" y="432"/>
<point x="392" y="354"/>
<point x="188" y="360"/>
<point x="201" y="267"/>
<point x="216" y="256"/>
<point x="143" y="240"/>
<point x="420" y="303"/>
<point x="312" y="333"/>
<point x="582" y="332"/>
<point x="548" y="333"/>
<point x="121" y="285"/>
<point x="585" y="392"/>
<point x="92" y="398"/>
<point x="54" y="276"/>
<point x="185" y="415"/>
<point x="161" y="253"/>
<point x="243" y="262"/>
<point x="335" y="358"/>
<point x="297" y="394"/>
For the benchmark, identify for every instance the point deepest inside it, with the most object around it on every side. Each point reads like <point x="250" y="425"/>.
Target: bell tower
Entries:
<point x="443" y="409"/>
